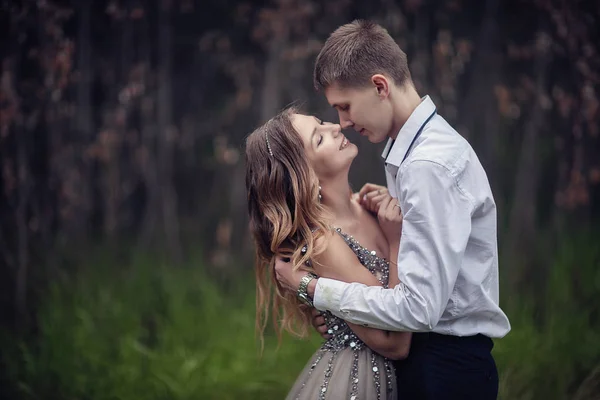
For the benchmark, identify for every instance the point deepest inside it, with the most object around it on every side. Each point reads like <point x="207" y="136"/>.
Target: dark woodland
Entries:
<point x="124" y="244"/>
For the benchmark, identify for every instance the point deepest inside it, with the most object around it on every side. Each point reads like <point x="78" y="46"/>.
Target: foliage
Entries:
<point x="146" y="330"/>
<point x="553" y="350"/>
<point x="126" y="119"/>
<point x="153" y="332"/>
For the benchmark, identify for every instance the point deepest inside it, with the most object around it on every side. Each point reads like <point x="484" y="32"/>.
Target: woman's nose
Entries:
<point x="336" y="129"/>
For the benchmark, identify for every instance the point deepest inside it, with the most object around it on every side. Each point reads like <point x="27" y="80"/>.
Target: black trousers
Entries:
<point x="442" y="367"/>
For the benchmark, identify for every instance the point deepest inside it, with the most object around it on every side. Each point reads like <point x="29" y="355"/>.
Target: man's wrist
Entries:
<point x="312" y="286"/>
<point x="302" y="291"/>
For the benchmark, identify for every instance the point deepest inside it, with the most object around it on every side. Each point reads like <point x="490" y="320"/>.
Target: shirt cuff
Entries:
<point x="328" y="294"/>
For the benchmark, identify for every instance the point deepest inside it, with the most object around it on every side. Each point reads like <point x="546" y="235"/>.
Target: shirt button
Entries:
<point x="366" y="325"/>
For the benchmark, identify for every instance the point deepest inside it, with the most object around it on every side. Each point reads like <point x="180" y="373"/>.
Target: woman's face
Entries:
<point x="327" y="149"/>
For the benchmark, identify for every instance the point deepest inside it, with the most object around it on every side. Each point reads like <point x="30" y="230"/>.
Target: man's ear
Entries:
<point x="382" y="85"/>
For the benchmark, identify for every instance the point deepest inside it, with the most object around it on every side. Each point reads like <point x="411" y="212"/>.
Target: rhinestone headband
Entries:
<point x="269" y="144"/>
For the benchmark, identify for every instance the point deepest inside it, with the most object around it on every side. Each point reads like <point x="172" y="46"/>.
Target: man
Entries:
<point x="448" y="259"/>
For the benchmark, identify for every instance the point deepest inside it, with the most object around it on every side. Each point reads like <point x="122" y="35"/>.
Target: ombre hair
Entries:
<point x="285" y="217"/>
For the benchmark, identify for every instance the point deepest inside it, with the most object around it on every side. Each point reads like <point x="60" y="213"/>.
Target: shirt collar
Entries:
<point x="396" y="149"/>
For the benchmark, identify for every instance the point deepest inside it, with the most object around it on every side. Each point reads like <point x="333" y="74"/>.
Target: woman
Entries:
<point x="301" y="205"/>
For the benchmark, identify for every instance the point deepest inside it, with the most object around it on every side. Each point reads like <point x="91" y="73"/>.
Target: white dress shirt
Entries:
<point x="448" y="258"/>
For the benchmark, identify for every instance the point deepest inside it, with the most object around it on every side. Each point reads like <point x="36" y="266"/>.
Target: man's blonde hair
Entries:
<point x="355" y="52"/>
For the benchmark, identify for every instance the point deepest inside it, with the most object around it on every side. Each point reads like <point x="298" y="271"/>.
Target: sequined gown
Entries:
<point x="344" y="367"/>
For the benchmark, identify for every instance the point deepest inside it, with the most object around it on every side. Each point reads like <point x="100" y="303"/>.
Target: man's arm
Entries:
<point x="435" y="231"/>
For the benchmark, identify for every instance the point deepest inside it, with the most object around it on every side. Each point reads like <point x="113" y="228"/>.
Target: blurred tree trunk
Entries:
<point x="84" y="117"/>
<point x="48" y="207"/>
<point x="22" y="184"/>
<point x="114" y="124"/>
<point x="238" y="206"/>
<point x="420" y="61"/>
<point x="271" y="92"/>
<point x="23" y="196"/>
<point x="270" y="103"/>
<point x="167" y="134"/>
<point x="16" y="131"/>
<point x="146" y="155"/>
<point x="521" y="238"/>
<point x="479" y="109"/>
<point x="490" y="64"/>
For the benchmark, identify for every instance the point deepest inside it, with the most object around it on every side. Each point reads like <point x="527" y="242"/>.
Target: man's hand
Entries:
<point x="371" y="195"/>
<point x="319" y="323"/>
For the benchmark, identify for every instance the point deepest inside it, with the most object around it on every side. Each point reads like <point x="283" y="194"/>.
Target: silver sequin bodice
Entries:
<point x="343" y="338"/>
<point x="341" y="334"/>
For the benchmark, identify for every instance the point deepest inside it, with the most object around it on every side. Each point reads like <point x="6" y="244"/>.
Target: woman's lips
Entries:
<point x="344" y="144"/>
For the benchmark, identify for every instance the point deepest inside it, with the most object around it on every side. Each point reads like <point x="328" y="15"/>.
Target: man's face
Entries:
<point x="363" y="109"/>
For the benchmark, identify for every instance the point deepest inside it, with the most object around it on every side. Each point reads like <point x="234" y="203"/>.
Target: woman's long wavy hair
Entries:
<point x="285" y="215"/>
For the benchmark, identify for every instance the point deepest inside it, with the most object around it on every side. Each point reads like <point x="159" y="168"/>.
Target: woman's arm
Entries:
<point x="339" y="262"/>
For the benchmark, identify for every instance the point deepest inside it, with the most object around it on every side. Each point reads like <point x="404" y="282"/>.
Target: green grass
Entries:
<point x="153" y="332"/>
<point x="553" y="350"/>
<point x="148" y="331"/>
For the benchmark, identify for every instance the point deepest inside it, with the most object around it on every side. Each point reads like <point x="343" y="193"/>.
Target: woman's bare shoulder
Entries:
<point x="338" y="261"/>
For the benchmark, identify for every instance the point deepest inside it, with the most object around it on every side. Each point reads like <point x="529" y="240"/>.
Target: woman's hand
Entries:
<point x="286" y="276"/>
<point x="371" y="195"/>
<point x="390" y="219"/>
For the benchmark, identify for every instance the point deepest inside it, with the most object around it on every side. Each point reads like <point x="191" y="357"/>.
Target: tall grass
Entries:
<point x="149" y="331"/>
<point x="553" y="350"/>
<point x="153" y="332"/>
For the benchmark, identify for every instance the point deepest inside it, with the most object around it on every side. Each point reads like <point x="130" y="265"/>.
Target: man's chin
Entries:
<point x="375" y="139"/>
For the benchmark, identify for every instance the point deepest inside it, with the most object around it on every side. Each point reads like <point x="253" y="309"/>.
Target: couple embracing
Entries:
<point x="402" y="282"/>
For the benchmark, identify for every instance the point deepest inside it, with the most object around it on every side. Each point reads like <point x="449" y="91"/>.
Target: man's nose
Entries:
<point x="345" y="122"/>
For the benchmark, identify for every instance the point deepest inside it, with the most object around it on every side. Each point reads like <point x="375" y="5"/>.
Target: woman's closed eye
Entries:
<point x="320" y="140"/>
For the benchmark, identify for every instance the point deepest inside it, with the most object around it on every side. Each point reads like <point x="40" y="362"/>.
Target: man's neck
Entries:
<point x="405" y="101"/>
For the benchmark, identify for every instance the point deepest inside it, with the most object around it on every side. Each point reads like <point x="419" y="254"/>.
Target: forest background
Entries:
<point x="124" y="245"/>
